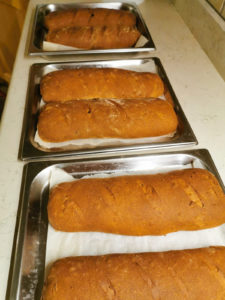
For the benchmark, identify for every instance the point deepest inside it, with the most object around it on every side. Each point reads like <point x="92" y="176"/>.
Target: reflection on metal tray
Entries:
<point x="28" y="258"/>
<point x="38" y="32"/>
<point x="31" y="149"/>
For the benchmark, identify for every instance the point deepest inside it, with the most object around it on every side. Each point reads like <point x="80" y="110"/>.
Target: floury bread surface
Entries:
<point x="138" y="205"/>
<point x="89" y="17"/>
<point x="59" y="122"/>
<point x="175" y="275"/>
<point x="96" y="83"/>
<point x="98" y="37"/>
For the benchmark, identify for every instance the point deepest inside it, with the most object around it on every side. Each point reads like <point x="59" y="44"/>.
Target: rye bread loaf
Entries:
<point x="189" y="199"/>
<point x="60" y="122"/>
<point x="98" y="37"/>
<point x="174" y="275"/>
<point x="89" y="17"/>
<point x="95" y="83"/>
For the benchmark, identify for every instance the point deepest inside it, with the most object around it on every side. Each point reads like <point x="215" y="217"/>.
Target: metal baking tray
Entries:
<point x="28" y="256"/>
<point x="31" y="150"/>
<point x="39" y="31"/>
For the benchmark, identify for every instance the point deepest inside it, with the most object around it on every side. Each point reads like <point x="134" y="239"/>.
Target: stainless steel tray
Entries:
<point x="31" y="150"/>
<point x="28" y="257"/>
<point x="38" y="31"/>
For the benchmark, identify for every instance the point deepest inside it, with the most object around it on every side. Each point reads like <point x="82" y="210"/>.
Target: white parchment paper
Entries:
<point x="93" y="143"/>
<point x="62" y="244"/>
<point x="49" y="46"/>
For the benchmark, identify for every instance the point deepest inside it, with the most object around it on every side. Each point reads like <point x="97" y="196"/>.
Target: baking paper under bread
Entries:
<point x="93" y="143"/>
<point x="49" y="46"/>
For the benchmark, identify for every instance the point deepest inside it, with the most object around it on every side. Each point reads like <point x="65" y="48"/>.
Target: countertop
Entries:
<point x="197" y="84"/>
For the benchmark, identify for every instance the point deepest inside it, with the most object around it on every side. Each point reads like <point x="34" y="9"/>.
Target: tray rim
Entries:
<point x="28" y="151"/>
<point x="35" y="51"/>
<point x="34" y="168"/>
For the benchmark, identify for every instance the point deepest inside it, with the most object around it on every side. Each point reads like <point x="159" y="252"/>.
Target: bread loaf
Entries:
<point x="95" y="83"/>
<point x="89" y="17"/>
<point x="188" y="199"/>
<point x="175" y="275"/>
<point x="59" y="122"/>
<point x="98" y="37"/>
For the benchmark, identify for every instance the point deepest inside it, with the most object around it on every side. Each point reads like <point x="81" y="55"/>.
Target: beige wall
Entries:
<point x="223" y="12"/>
<point x="218" y="4"/>
<point x="12" y="13"/>
<point x="207" y="27"/>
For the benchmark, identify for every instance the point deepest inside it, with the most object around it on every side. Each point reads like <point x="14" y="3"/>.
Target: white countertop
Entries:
<point x="197" y="84"/>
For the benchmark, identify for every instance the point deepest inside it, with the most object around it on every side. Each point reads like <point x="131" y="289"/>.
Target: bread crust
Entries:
<point x="96" y="83"/>
<point x="174" y="275"/>
<point x="59" y="122"/>
<point x="190" y="199"/>
<point x="98" y="37"/>
<point x="89" y="17"/>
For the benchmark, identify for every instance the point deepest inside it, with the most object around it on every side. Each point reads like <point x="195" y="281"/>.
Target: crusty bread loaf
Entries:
<point x="97" y="37"/>
<point x="89" y="17"/>
<point x="197" y="274"/>
<point x="189" y="199"/>
<point x="59" y="122"/>
<point x="95" y="83"/>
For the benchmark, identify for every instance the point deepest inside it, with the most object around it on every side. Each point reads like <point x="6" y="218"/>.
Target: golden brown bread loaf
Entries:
<point x="95" y="83"/>
<point x="98" y="37"/>
<point x="89" y="17"/>
<point x="197" y="274"/>
<point x="189" y="199"/>
<point x="59" y="122"/>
